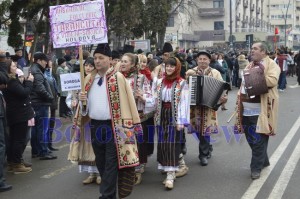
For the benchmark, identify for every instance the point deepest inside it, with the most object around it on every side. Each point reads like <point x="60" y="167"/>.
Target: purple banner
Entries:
<point x="78" y="24"/>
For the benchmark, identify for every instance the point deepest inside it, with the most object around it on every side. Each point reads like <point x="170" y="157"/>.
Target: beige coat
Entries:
<point x="204" y="120"/>
<point x="267" y="120"/>
<point x="124" y="114"/>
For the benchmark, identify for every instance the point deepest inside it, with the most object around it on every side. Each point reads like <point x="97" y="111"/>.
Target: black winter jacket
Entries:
<point x="18" y="105"/>
<point x="217" y="66"/>
<point x="41" y="93"/>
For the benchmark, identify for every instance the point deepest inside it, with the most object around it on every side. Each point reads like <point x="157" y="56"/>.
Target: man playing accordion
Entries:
<point x="203" y="119"/>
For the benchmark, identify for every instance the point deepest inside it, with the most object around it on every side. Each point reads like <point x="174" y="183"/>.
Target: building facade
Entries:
<point x="283" y="15"/>
<point x="205" y="23"/>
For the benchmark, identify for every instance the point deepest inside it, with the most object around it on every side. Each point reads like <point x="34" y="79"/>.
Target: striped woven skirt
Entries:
<point x="168" y="147"/>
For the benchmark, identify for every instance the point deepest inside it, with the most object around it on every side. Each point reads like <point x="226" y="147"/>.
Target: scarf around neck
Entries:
<point x="146" y="71"/>
<point x="130" y="72"/>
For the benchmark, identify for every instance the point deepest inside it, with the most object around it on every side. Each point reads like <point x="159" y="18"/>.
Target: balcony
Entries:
<point x="190" y="37"/>
<point x="211" y="12"/>
<point x="211" y="35"/>
<point x="245" y="4"/>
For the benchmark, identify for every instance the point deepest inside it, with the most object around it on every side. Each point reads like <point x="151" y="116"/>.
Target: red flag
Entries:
<point x="276" y="31"/>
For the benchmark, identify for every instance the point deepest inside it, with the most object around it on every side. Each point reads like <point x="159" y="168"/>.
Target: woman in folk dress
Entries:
<point x="172" y="114"/>
<point x="145" y="104"/>
<point x="83" y="153"/>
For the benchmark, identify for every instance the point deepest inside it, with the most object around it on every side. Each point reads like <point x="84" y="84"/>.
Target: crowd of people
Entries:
<point x="129" y="98"/>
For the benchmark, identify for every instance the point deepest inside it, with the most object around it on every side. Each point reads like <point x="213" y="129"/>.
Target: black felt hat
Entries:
<point x="128" y="49"/>
<point x="103" y="49"/>
<point x="139" y="51"/>
<point x="115" y="54"/>
<point x="167" y="48"/>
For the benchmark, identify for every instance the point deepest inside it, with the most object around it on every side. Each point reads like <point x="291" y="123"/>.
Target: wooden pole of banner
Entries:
<point x="81" y="71"/>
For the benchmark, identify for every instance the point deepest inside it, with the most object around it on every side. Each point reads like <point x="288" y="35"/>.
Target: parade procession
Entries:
<point x="149" y="99"/>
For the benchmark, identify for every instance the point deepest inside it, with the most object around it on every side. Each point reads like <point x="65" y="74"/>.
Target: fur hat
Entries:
<point x="60" y="61"/>
<point x="103" y="49"/>
<point x="139" y="51"/>
<point x="167" y="48"/>
<point x="40" y="56"/>
<point x="204" y="52"/>
<point x="128" y="49"/>
<point x="115" y="54"/>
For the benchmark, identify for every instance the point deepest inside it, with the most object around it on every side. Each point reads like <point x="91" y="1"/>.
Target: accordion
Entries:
<point x="255" y="81"/>
<point x="206" y="91"/>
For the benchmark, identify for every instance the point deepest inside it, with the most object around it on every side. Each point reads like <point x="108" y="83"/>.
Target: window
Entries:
<point x="219" y="4"/>
<point x="170" y="22"/>
<point x="219" y="25"/>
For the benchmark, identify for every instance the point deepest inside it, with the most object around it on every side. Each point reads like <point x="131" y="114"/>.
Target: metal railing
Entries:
<point x="255" y="29"/>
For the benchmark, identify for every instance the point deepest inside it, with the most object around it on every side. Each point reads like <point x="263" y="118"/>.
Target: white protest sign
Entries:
<point x="78" y="24"/>
<point x="70" y="81"/>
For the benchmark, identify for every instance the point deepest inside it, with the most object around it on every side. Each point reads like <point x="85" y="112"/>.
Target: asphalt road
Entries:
<point x="227" y="175"/>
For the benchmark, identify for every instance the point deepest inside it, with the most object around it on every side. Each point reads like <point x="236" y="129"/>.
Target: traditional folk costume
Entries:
<point x="172" y="109"/>
<point x="203" y="119"/>
<point x="257" y="117"/>
<point x="81" y="149"/>
<point x="146" y="112"/>
<point x="114" y="121"/>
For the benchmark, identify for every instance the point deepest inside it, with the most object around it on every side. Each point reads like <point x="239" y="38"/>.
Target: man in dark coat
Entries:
<point x="41" y="98"/>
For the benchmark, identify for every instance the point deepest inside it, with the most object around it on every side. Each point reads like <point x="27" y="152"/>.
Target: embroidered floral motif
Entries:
<point x="175" y="101"/>
<point x="124" y="136"/>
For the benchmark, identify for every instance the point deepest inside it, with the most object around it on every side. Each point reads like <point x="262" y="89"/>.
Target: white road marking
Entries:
<point x="256" y="185"/>
<point x="294" y="86"/>
<point x="59" y="171"/>
<point x="286" y="174"/>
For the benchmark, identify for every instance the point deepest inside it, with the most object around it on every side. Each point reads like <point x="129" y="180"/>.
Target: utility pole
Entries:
<point x="285" y="18"/>
<point x="230" y="25"/>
